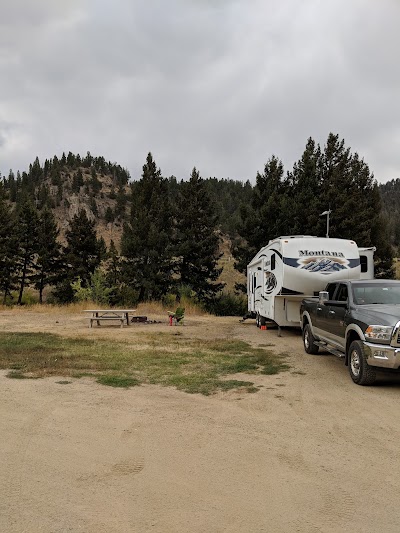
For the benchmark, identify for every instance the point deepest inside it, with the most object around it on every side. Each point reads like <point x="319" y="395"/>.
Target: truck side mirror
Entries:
<point x="323" y="296"/>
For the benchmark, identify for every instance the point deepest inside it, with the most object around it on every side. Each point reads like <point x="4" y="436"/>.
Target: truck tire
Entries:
<point x="309" y="340"/>
<point x="360" y="371"/>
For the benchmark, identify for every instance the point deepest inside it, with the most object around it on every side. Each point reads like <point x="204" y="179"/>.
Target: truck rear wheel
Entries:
<point x="360" y="371"/>
<point x="309" y="340"/>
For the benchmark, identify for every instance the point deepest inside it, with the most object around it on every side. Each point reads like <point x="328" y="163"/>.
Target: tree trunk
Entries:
<point x="21" y="289"/>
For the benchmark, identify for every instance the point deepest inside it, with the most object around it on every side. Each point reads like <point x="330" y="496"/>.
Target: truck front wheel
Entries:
<point x="360" y="371"/>
<point x="309" y="340"/>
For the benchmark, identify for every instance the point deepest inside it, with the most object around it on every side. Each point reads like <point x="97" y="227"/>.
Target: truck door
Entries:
<point x="337" y="316"/>
<point x="322" y="321"/>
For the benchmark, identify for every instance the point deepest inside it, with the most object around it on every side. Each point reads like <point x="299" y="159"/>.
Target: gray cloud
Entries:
<point x="222" y="85"/>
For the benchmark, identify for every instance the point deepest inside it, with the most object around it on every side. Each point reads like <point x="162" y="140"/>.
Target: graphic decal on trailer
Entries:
<point x="270" y="282"/>
<point x="322" y="264"/>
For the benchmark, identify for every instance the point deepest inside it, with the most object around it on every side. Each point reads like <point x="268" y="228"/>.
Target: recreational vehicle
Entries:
<point x="291" y="268"/>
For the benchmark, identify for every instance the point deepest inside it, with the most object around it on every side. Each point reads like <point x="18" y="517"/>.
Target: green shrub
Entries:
<point x="28" y="298"/>
<point x="125" y="296"/>
<point x="228" y="304"/>
<point x="98" y="290"/>
<point x="62" y="293"/>
<point x="169" y="300"/>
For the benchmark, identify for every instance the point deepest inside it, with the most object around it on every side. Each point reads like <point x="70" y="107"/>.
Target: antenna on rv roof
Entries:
<point x="327" y="213"/>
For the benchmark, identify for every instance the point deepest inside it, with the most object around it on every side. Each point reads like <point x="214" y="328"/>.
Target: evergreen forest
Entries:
<point x="80" y="228"/>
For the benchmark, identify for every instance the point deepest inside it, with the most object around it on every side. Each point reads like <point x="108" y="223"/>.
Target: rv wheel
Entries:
<point x="260" y="320"/>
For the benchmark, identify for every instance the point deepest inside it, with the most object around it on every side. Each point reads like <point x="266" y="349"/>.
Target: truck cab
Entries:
<point x="358" y="320"/>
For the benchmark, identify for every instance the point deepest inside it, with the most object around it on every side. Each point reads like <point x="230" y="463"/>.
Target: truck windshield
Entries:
<point x="377" y="294"/>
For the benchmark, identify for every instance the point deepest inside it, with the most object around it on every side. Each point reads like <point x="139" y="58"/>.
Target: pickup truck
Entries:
<point x="359" y="321"/>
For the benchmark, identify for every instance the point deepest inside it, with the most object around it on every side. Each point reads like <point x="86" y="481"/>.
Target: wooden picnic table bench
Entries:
<point x="99" y="315"/>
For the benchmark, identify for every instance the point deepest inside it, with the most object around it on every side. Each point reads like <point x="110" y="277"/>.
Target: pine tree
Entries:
<point x="8" y="249"/>
<point x="113" y="266"/>
<point x="305" y="184"/>
<point x="48" y="267"/>
<point x="146" y="240"/>
<point x="27" y="230"/>
<point x="95" y="183"/>
<point x="93" y="206"/>
<point x="197" y="245"/>
<point x="109" y="215"/>
<point x="264" y="218"/>
<point x="83" y="250"/>
<point x="390" y="195"/>
<point x="351" y="192"/>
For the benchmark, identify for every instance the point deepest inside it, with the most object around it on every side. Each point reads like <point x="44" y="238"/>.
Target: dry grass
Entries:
<point x="169" y="359"/>
<point x="145" y="308"/>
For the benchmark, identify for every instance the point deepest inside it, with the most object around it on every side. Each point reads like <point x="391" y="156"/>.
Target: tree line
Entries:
<point x="390" y="193"/>
<point x="169" y="245"/>
<point x="171" y="228"/>
<point x="328" y="178"/>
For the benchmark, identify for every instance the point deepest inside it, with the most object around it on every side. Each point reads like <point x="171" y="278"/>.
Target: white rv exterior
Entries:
<point x="367" y="262"/>
<point x="291" y="268"/>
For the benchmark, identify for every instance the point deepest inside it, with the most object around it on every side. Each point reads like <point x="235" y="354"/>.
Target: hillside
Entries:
<point x="72" y="183"/>
<point x="103" y="190"/>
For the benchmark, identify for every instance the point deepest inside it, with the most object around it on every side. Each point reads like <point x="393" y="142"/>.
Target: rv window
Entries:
<point x="364" y="263"/>
<point x="273" y="262"/>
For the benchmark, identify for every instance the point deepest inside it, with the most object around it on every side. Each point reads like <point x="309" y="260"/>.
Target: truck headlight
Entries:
<point x="379" y="333"/>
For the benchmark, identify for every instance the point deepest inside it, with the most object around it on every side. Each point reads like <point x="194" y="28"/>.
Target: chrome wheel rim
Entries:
<point x="355" y="363"/>
<point x="306" y="339"/>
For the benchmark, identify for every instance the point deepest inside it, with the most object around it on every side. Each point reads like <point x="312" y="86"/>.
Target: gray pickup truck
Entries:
<point x="356" y="320"/>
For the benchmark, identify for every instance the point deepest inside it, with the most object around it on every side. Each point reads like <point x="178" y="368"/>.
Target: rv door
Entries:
<point x="253" y="290"/>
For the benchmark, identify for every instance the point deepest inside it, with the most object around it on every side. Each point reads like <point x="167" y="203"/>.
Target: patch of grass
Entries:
<point x="272" y="368"/>
<point x="192" y="365"/>
<point x="15" y="374"/>
<point x="118" y="381"/>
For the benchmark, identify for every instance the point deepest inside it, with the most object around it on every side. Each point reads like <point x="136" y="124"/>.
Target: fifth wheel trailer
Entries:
<point x="291" y="268"/>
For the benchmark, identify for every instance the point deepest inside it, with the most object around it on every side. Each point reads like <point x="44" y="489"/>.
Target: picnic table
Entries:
<point x="99" y="315"/>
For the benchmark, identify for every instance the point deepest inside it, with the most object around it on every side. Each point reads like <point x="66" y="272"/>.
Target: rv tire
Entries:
<point x="309" y="340"/>
<point x="260" y="320"/>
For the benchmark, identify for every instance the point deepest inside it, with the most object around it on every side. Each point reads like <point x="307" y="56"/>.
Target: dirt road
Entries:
<point x="310" y="452"/>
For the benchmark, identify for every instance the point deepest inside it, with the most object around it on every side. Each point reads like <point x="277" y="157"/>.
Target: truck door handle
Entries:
<point x="332" y="313"/>
<point x="319" y="308"/>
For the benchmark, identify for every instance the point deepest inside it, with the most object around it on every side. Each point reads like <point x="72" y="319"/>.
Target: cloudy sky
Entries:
<point x="217" y="84"/>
